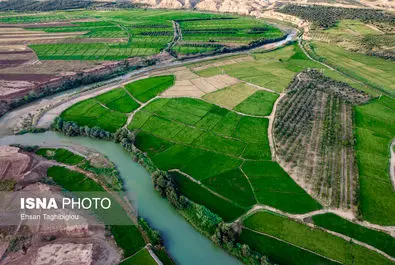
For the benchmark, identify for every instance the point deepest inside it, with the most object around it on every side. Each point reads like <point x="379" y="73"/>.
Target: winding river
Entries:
<point x="185" y="245"/>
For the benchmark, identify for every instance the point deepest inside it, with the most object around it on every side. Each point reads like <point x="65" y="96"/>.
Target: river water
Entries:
<point x="185" y="245"/>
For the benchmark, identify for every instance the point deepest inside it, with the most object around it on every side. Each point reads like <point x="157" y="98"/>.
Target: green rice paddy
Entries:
<point x="375" y="127"/>
<point x="312" y="239"/>
<point x="188" y="134"/>
<point x="108" y="110"/>
<point x="380" y="240"/>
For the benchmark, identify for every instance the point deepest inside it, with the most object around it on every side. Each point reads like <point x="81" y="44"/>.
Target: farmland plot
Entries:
<point x="311" y="239"/>
<point x="374" y="132"/>
<point x="148" y="88"/>
<point x="314" y="136"/>
<point x="380" y="240"/>
<point x="188" y="134"/>
<point x="273" y="70"/>
<point x="106" y="111"/>
<point x="237" y="30"/>
<point x="122" y="34"/>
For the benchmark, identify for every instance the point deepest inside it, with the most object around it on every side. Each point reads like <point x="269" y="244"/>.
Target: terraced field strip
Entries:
<point x="374" y="134"/>
<point x="313" y="239"/>
<point x="372" y="71"/>
<point x="380" y="240"/>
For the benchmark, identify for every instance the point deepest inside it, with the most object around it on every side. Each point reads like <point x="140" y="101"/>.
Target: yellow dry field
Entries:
<point x="189" y="84"/>
<point x="199" y="67"/>
<point x="231" y="96"/>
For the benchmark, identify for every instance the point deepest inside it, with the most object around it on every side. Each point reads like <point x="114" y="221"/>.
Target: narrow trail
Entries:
<point x="148" y="247"/>
<point x="330" y="67"/>
<point x="289" y="243"/>
<point x="314" y="60"/>
<point x="203" y="186"/>
<point x="392" y="163"/>
<point x="130" y="117"/>
<point x="177" y="35"/>
<point x="259" y="87"/>
<point x="332" y="233"/>
<point x="270" y="127"/>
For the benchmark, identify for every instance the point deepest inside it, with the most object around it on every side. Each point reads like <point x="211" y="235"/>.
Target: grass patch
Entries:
<point x="128" y="238"/>
<point x="281" y="252"/>
<point x="315" y="240"/>
<point x="226" y="210"/>
<point x="274" y="187"/>
<point x="90" y="113"/>
<point x="380" y="240"/>
<point x="253" y="131"/>
<point x="374" y="71"/>
<point x="228" y="124"/>
<point x="375" y="127"/>
<point x="148" y="88"/>
<point x="118" y="100"/>
<point x="273" y="70"/>
<point x="260" y="103"/>
<point x="162" y="127"/>
<point x="140" y="258"/>
<point x="73" y="181"/>
<point x="60" y="155"/>
<point x="232" y="184"/>
<point x="220" y="144"/>
<point x="231" y="96"/>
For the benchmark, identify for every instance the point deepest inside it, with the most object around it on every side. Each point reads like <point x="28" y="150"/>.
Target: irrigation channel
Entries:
<point x="183" y="242"/>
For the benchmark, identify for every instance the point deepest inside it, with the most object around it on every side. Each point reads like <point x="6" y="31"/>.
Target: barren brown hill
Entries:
<point x="256" y="7"/>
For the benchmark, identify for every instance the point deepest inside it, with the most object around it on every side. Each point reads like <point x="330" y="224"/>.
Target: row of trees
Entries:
<point x="69" y="83"/>
<point x="52" y="5"/>
<point x="251" y="45"/>
<point x="328" y="16"/>
<point x="35" y="5"/>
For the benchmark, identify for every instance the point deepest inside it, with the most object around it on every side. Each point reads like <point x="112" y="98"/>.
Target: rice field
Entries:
<point x="375" y="72"/>
<point x="240" y="30"/>
<point x="380" y="240"/>
<point x="374" y="132"/>
<point x="188" y="134"/>
<point x="121" y="34"/>
<point x="109" y="110"/>
<point x="311" y="239"/>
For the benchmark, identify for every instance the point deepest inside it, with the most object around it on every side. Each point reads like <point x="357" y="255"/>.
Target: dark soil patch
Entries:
<point x="15" y="52"/>
<point x="26" y="77"/>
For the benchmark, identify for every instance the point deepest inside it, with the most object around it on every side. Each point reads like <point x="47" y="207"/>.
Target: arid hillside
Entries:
<point x="256" y="7"/>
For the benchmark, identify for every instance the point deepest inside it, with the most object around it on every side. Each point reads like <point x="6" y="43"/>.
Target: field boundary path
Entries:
<point x="289" y="243"/>
<point x="302" y="217"/>
<point x="336" y="70"/>
<point x="153" y="255"/>
<point x="176" y="36"/>
<point x="392" y="163"/>
<point x="332" y="233"/>
<point x="272" y="144"/>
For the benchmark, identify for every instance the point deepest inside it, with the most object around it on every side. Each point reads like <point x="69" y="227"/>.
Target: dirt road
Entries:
<point x="392" y="163"/>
